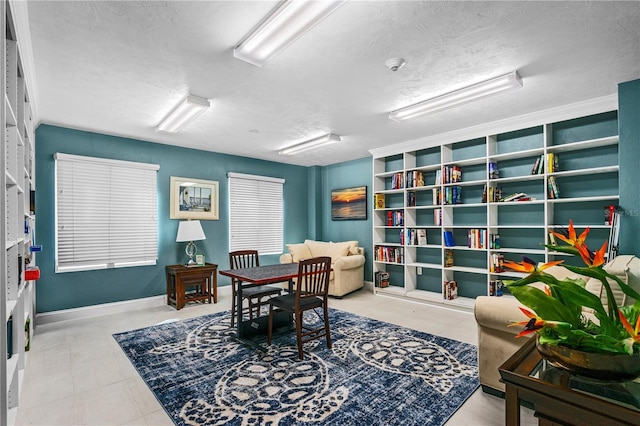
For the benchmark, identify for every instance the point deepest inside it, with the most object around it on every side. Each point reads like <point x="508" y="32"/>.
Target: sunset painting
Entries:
<point x="349" y="203"/>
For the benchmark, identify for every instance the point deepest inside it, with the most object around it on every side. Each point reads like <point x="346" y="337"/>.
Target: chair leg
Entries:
<point x="298" y="320"/>
<point x="270" y="326"/>
<point x="326" y="326"/>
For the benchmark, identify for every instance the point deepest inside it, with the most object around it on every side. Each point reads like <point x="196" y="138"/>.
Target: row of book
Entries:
<point x="389" y="254"/>
<point x="496" y="288"/>
<point x="382" y="279"/>
<point x="397" y="180"/>
<point x="448" y="174"/>
<point x="552" y="186"/>
<point x="395" y="218"/>
<point x="415" y="237"/>
<point x="551" y="162"/>
<point x="496" y="262"/>
<point x="477" y="238"/>
<point x="450" y="289"/>
<point x="415" y="178"/>
<point x="448" y="195"/>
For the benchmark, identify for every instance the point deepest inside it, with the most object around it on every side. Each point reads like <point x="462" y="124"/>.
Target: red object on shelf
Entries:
<point x="31" y="274"/>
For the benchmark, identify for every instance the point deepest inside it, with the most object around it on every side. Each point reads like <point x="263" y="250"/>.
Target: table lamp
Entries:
<point x="191" y="231"/>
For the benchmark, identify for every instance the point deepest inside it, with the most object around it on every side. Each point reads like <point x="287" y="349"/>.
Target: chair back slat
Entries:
<point x="243" y="259"/>
<point x="313" y="277"/>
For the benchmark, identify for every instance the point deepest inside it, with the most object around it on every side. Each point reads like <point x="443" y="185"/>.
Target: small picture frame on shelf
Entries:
<point x="200" y="259"/>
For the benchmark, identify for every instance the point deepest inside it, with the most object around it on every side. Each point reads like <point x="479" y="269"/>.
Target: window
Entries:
<point x="106" y="213"/>
<point x="255" y="213"/>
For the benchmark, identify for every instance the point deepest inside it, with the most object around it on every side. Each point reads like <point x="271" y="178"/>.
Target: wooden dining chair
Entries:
<point x="312" y="289"/>
<point x="253" y="295"/>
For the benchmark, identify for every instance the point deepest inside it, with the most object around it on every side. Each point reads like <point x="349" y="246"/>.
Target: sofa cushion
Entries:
<point x="337" y="250"/>
<point x="299" y="252"/>
<point x="317" y="248"/>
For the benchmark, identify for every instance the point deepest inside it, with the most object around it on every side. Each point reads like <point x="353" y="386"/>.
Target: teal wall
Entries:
<point x="76" y="289"/>
<point x="629" y="152"/>
<point x="346" y="175"/>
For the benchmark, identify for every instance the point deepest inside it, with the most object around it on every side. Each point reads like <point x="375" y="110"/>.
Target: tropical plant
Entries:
<point x="557" y="312"/>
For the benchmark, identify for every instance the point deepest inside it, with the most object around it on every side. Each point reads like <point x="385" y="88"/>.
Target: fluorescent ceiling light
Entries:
<point x="311" y="144"/>
<point x="184" y="113"/>
<point x="290" y="20"/>
<point x="453" y="99"/>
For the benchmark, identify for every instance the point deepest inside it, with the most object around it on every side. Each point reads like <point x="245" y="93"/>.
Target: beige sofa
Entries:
<point x="497" y="341"/>
<point x="347" y="262"/>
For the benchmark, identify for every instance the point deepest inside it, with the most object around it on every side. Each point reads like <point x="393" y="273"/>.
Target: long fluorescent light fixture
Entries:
<point x="311" y="144"/>
<point x="184" y="113"/>
<point x="453" y="99"/>
<point x="290" y="20"/>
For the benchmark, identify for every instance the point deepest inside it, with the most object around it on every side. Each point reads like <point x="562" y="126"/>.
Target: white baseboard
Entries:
<point x="98" y="310"/>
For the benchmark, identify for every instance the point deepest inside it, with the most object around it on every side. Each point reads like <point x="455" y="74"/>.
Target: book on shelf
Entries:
<point x="552" y="163"/>
<point x="513" y="197"/>
<point x="538" y="166"/>
<point x="552" y="186"/>
<point x="494" y="172"/>
<point x="437" y="217"/>
<point x="448" y="239"/>
<point x="382" y="279"/>
<point x="379" y="201"/>
<point x="422" y="237"/>
<point x="411" y="199"/>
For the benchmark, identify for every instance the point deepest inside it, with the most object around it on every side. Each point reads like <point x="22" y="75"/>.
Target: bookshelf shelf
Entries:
<point x="17" y="295"/>
<point x="583" y="152"/>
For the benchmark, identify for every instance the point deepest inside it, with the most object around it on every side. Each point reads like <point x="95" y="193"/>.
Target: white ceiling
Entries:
<point x="119" y="67"/>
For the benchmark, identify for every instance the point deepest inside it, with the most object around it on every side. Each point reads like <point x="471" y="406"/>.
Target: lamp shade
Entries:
<point x="190" y="230"/>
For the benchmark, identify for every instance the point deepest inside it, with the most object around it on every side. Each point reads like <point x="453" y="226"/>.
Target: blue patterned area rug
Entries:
<point x="376" y="374"/>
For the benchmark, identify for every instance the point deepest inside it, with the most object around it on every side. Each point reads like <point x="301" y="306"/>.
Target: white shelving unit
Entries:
<point x="586" y="146"/>
<point x="17" y="294"/>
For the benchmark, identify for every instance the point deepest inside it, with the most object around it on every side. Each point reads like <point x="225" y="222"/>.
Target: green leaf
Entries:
<point x="544" y="306"/>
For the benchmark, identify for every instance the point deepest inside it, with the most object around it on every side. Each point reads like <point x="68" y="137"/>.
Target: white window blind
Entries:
<point x="255" y="213"/>
<point x="106" y="213"/>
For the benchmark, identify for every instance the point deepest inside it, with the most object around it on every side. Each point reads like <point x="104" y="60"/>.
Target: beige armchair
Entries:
<point x="347" y="262"/>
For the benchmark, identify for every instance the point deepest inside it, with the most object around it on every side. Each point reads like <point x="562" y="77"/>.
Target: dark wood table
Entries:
<point x="260" y="275"/>
<point x="561" y="398"/>
<point x="203" y="280"/>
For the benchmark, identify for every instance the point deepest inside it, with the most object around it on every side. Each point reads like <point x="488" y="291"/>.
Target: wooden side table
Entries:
<point x="201" y="280"/>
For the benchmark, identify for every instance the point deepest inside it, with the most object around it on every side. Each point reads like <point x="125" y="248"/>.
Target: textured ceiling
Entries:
<point x="119" y="67"/>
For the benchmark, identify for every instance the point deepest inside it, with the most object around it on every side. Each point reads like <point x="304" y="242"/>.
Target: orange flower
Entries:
<point x="586" y="255"/>
<point x="527" y="265"/>
<point x="571" y="239"/>
<point x="532" y="325"/>
<point x="634" y="333"/>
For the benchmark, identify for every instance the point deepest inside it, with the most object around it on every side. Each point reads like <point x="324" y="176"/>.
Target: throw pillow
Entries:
<point x="299" y="252"/>
<point x="337" y="250"/>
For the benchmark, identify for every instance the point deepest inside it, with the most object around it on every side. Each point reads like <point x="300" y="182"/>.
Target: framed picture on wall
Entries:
<point x="194" y="199"/>
<point x="349" y="203"/>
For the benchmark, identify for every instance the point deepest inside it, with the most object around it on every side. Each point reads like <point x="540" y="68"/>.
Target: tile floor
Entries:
<point x="77" y="374"/>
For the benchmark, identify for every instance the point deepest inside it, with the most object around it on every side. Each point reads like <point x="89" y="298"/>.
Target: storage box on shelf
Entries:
<point x="18" y="260"/>
<point x="482" y="200"/>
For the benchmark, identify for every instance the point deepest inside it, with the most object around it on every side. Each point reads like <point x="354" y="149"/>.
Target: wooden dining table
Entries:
<point x="249" y="330"/>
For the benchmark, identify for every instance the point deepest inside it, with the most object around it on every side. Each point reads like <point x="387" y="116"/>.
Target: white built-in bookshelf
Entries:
<point x="454" y="191"/>
<point x="17" y="293"/>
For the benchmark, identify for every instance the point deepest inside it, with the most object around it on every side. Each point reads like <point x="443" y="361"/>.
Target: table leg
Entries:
<point x="215" y="287"/>
<point x="179" y="293"/>
<point x="512" y="406"/>
<point x="169" y="280"/>
<point x="239" y="309"/>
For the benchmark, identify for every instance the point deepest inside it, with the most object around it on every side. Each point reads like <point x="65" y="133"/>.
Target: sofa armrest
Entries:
<point x="348" y="262"/>
<point x="498" y="312"/>
<point x="286" y="258"/>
